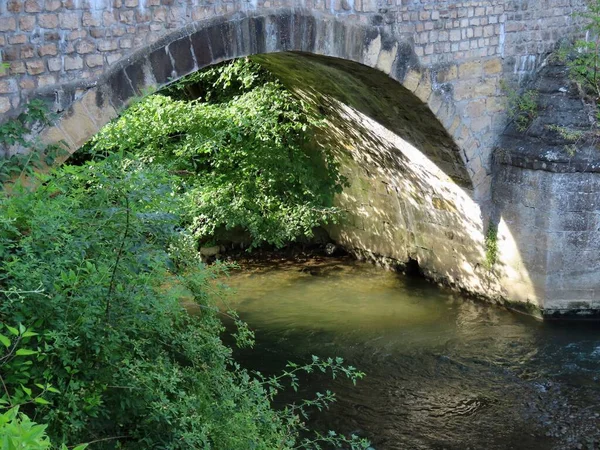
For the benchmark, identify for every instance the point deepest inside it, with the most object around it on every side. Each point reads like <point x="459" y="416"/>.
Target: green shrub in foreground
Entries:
<point x="93" y="262"/>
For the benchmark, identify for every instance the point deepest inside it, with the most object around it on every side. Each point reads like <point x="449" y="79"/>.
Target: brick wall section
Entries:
<point x="52" y="41"/>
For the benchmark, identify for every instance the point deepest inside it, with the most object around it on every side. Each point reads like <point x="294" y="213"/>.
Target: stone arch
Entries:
<point x="427" y="203"/>
<point x="85" y="107"/>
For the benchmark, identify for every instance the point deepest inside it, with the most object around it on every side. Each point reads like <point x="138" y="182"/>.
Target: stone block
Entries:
<point x="162" y="67"/>
<point x="69" y="21"/>
<point x="33" y="6"/>
<point x="8" y="86"/>
<point x="476" y="108"/>
<point x="26" y="23"/>
<point x="492" y="67"/>
<point x="27" y="51"/>
<point x="46" y="80"/>
<point x="77" y="125"/>
<point x="112" y="58"/>
<point x="8" y="24"/>
<point x="468" y="89"/>
<point x="411" y="80"/>
<point x="48" y="50"/>
<point x="284" y="36"/>
<point x="28" y="84"/>
<point x="55" y="64"/>
<point x="55" y="136"/>
<point x="52" y="5"/>
<point x="386" y="58"/>
<point x="480" y="124"/>
<point x="49" y="21"/>
<point x="94" y="61"/>
<point x="35" y="67"/>
<point x="140" y="75"/>
<point x="14" y="6"/>
<point x="73" y="63"/>
<point x="181" y="53"/>
<point x="84" y="47"/>
<point x="98" y="107"/>
<point x="221" y="48"/>
<point x="447" y="74"/>
<point x="5" y="105"/>
<point x="120" y="87"/>
<point x="423" y="91"/>
<point x="469" y="70"/>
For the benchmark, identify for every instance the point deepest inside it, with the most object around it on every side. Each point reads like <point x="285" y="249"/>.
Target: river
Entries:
<point x="443" y="371"/>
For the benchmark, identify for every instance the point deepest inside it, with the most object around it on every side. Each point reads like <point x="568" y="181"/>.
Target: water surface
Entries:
<point x="443" y="371"/>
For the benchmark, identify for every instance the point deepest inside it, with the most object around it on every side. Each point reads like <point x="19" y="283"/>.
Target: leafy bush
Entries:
<point x="491" y="246"/>
<point x="522" y="107"/>
<point x="583" y="59"/>
<point x="94" y="260"/>
<point x="245" y="163"/>
<point x="221" y="83"/>
<point x="16" y="132"/>
<point x="18" y="432"/>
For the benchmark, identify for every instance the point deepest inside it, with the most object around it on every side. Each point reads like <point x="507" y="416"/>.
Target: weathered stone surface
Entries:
<point x="201" y="48"/>
<point x="181" y="54"/>
<point x="550" y="199"/>
<point x="162" y="68"/>
<point x="120" y="87"/>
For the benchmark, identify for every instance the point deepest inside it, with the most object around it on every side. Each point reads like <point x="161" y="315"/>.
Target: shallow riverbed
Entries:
<point x="443" y="371"/>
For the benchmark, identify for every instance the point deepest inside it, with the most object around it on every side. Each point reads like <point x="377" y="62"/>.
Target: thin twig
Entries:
<point x="114" y="273"/>
<point x="102" y="440"/>
<point x="6" y="390"/>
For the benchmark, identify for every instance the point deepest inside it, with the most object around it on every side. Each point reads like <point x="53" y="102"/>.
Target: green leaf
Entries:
<point x="12" y="330"/>
<point x="4" y="340"/>
<point x="25" y="352"/>
<point x="41" y="401"/>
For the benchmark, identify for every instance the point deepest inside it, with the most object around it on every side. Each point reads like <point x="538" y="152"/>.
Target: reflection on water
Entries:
<point x="443" y="372"/>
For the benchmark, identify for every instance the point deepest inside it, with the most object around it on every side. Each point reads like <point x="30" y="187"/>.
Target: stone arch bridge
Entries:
<point x="411" y="89"/>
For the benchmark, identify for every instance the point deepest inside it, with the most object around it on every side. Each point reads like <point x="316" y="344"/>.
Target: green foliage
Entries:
<point x="95" y="260"/>
<point x="573" y="136"/>
<point x="568" y="134"/>
<point x="583" y="59"/>
<point x="221" y="83"/>
<point x="14" y="133"/>
<point x="19" y="353"/>
<point x="18" y="432"/>
<point x="522" y="108"/>
<point x="94" y="263"/>
<point x="491" y="246"/>
<point x="246" y="163"/>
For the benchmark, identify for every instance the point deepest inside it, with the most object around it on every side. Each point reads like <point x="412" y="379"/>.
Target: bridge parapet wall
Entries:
<point x="50" y="42"/>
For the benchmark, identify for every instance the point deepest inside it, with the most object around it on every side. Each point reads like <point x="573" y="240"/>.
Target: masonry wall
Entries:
<point x="555" y="218"/>
<point x="49" y="42"/>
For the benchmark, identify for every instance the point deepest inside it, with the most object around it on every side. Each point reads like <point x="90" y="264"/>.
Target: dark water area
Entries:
<point x="443" y="371"/>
